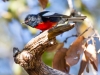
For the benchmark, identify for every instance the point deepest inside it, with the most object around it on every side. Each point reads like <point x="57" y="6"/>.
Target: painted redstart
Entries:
<point x="42" y="22"/>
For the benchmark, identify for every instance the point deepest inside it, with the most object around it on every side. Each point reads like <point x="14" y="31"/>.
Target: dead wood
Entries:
<point x="30" y="57"/>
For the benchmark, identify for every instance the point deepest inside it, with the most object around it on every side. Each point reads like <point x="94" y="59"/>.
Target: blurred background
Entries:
<point x="14" y="34"/>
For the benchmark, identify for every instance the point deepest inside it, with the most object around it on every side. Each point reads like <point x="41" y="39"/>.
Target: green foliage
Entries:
<point x="47" y="58"/>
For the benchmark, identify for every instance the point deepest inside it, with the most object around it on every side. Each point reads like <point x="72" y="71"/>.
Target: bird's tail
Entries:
<point x="77" y="19"/>
<point x="73" y="19"/>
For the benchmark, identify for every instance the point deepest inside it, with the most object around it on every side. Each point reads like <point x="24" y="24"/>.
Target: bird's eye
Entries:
<point x="32" y="19"/>
<point x="29" y="19"/>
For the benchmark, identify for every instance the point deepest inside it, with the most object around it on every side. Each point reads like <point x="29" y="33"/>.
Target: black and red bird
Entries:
<point x="42" y="22"/>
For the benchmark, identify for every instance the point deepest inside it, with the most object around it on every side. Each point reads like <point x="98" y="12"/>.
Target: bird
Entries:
<point x="44" y="22"/>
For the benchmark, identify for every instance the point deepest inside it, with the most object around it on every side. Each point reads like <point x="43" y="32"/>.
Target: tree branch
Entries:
<point x="30" y="57"/>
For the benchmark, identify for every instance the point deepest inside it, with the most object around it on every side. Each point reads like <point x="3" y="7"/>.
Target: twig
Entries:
<point x="71" y="7"/>
<point x="73" y="13"/>
<point x="70" y="4"/>
<point x="97" y="34"/>
<point x="91" y="38"/>
<point x="70" y="37"/>
<point x="85" y="31"/>
<point x="78" y="35"/>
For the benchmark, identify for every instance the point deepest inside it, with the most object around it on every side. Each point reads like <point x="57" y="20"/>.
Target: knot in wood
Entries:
<point x="24" y="59"/>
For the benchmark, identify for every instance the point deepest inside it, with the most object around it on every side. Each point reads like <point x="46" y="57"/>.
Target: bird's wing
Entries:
<point x="56" y="17"/>
<point x="42" y="13"/>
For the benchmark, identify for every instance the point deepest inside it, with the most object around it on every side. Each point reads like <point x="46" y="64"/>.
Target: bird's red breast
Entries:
<point x="45" y="25"/>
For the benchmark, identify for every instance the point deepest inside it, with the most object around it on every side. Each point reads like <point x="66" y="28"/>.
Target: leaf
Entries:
<point x="43" y="3"/>
<point x="83" y="64"/>
<point x="91" y="54"/>
<point x="59" y="60"/>
<point x="55" y="47"/>
<point x="74" y="51"/>
<point x="87" y="67"/>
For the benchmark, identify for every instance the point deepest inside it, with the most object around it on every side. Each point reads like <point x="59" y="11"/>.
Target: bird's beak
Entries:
<point x="24" y="22"/>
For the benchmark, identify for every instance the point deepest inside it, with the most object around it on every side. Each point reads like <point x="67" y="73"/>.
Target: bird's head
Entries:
<point x="32" y="20"/>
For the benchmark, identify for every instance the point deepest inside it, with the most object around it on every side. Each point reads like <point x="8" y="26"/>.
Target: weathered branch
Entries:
<point x="30" y="57"/>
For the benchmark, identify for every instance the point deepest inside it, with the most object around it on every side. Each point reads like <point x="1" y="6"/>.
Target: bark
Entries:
<point x="30" y="57"/>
